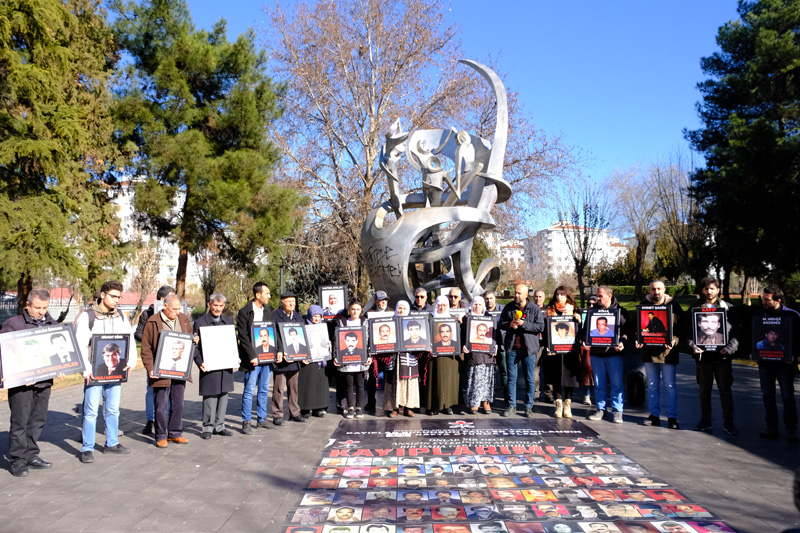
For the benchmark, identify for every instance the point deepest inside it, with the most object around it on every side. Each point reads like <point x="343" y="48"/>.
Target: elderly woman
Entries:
<point x="401" y="376"/>
<point x="313" y="387"/>
<point x="442" y="375"/>
<point x="481" y="369"/>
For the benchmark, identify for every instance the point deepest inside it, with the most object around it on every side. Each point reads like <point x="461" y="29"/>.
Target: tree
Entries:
<point x="55" y="59"/>
<point x="192" y="112"/>
<point x="583" y="213"/>
<point x="143" y="270"/>
<point x="353" y="68"/>
<point x="748" y="189"/>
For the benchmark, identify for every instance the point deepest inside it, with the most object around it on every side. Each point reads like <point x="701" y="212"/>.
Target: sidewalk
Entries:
<point x="250" y="482"/>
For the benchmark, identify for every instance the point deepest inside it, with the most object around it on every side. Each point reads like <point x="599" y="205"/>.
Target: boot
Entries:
<point x="567" y="408"/>
<point x="559" y="408"/>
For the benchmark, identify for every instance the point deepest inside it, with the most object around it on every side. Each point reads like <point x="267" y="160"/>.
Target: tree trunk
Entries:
<point x="24" y="287"/>
<point x="180" y="275"/>
<point x="579" y="274"/>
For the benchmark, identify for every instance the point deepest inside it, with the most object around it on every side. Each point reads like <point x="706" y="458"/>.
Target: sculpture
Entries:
<point x="462" y="179"/>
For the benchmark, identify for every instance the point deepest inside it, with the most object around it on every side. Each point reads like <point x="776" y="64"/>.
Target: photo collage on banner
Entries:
<point x="477" y="476"/>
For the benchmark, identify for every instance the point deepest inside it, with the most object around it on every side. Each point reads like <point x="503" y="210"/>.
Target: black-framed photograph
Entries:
<point x="562" y="333"/>
<point x="383" y="335"/>
<point x="294" y="341"/>
<point x="710" y="328"/>
<point x="480" y="334"/>
<point x="220" y="349"/>
<point x="446" y="336"/>
<point x="416" y="335"/>
<point x="319" y="346"/>
<point x="351" y="345"/>
<point x="332" y="299"/>
<point x="602" y="329"/>
<point x="772" y="338"/>
<point x="654" y="325"/>
<point x="109" y="357"/>
<point x="173" y="355"/>
<point x="265" y="342"/>
<point x="37" y="354"/>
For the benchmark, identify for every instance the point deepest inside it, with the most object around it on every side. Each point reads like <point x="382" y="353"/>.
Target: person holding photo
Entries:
<point x="401" y="377"/>
<point x="442" y="379"/>
<point x="562" y="371"/>
<point x="255" y="376"/>
<point x="481" y="368"/>
<point x="313" y="393"/>
<point x="103" y="317"/>
<point x="286" y="372"/>
<point x="352" y="376"/>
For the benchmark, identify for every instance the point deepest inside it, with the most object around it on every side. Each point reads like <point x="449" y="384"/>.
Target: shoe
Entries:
<point x="359" y="412"/>
<point x="298" y="419"/>
<point x="162" y="443"/>
<point x="266" y="425"/>
<point x="597" y="415"/>
<point x="350" y="413"/>
<point x="278" y="421"/>
<point x="652" y="420"/>
<point x="392" y="414"/>
<point x="567" y="409"/>
<point x="247" y="427"/>
<point x="766" y="434"/>
<point x="529" y="412"/>
<point x="148" y="428"/>
<point x="703" y="426"/>
<point x="178" y="440"/>
<point x="20" y="469"/>
<point x="409" y="413"/>
<point x="510" y="411"/>
<point x="117" y="448"/>
<point x="731" y="430"/>
<point x="87" y="457"/>
<point x="587" y="400"/>
<point x="206" y="435"/>
<point x="471" y="412"/>
<point x="433" y="412"/>
<point x="305" y="416"/>
<point x="223" y="433"/>
<point x="617" y="417"/>
<point x="448" y="411"/>
<point x="39" y="463"/>
<point x="319" y="413"/>
<point x="559" y="408"/>
<point x="672" y="422"/>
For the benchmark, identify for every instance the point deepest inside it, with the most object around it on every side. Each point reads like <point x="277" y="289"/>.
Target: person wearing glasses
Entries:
<point x="420" y="302"/>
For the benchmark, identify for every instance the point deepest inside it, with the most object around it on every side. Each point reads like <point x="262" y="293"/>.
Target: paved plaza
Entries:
<point x="251" y="482"/>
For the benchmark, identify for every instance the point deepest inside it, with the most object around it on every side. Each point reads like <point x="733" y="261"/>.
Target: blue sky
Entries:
<point x="616" y="79"/>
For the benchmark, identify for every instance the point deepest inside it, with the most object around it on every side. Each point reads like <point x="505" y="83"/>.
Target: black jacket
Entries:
<point x="624" y="327"/>
<point x="532" y="325"/>
<point x="143" y="317"/>
<point x="244" y="328"/>
<point x="217" y="381"/>
<point x="279" y="316"/>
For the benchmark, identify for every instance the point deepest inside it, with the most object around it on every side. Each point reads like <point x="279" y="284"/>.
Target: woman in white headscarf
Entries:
<point x="481" y="369"/>
<point x="401" y="377"/>
<point x="442" y="377"/>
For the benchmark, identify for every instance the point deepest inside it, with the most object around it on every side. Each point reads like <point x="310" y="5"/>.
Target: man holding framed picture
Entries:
<point x="255" y="375"/>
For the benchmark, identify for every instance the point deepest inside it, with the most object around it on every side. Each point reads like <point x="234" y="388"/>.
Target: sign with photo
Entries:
<point x="220" y="350"/>
<point x="173" y="355"/>
<point x="380" y="314"/>
<point x="654" y="325"/>
<point x="264" y="342"/>
<point x="480" y="334"/>
<point x="332" y="299"/>
<point x="562" y="333"/>
<point x="710" y="328"/>
<point x="383" y="335"/>
<point x="459" y="311"/>
<point x="109" y="357"/>
<point x="318" y="343"/>
<point x="772" y="338"/>
<point x="416" y="335"/>
<point x="351" y="345"/>
<point x="294" y="341"/>
<point x="38" y="354"/>
<point x="446" y="337"/>
<point x="602" y="329"/>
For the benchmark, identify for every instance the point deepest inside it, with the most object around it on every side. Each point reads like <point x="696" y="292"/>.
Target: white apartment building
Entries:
<point x="547" y="252"/>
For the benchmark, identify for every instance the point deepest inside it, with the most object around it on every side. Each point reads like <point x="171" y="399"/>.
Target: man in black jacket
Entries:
<point x="286" y="372"/>
<point x="149" y="408"/>
<point x="28" y="403"/>
<point x="255" y="310"/>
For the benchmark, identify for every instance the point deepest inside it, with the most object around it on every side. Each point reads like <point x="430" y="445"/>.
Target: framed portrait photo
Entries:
<point x="710" y="328"/>
<point x="173" y="355"/>
<point x="38" y="354"/>
<point x="602" y="328"/>
<point x="220" y="349"/>
<point x="654" y="325"/>
<point x="109" y="357"/>
<point x="562" y="333"/>
<point x="351" y="345"/>
<point x="446" y="336"/>
<point x="772" y="338"/>
<point x="383" y="335"/>
<point x="264" y="342"/>
<point x="480" y="334"/>
<point x="332" y="299"/>
<point x="416" y="335"/>
<point x="294" y="341"/>
<point x="319" y="346"/>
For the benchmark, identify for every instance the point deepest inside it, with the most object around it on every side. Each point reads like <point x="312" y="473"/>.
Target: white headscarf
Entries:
<point x="441" y="299"/>
<point x="480" y="300"/>
<point x="397" y="308"/>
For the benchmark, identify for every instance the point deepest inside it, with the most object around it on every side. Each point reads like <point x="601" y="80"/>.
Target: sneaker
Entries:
<point x="731" y="430"/>
<point x="87" y="457"/>
<point x="247" y="427"/>
<point x="703" y="426"/>
<point x="148" y="428"/>
<point x="652" y="420"/>
<point x="350" y="413"/>
<point x="359" y="412"/>
<point x="617" y="417"/>
<point x="771" y="434"/>
<point x="597" y="415"/>
<point x="510" y="411"/>
<point x="223" y="433"/>
<point x="118" y="448"/>
<point x="587" y="400"/>
<point x="673" y="423"/>
<point x="529" y="412"/>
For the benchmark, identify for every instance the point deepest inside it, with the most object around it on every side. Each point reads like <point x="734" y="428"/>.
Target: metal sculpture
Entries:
<point x="430" y="242"/>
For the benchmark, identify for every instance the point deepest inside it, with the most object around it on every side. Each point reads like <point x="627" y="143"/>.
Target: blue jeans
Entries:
<point x="256" y="378"/>
<point x="656" y="373"/>
<point x="609" y="367"/>
<point x="148" y="404"/>
<point x="768" y="372"/>
<point x="528" y="362"/>
<point x="91" y="403"/>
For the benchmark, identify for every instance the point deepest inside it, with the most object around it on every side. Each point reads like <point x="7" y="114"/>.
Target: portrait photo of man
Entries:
<point x="110" y="362"/>
<point x="481" y="330"/>
<point x="175" y="357"/>
<point x="708" y="329"/>
<point x="563" y="334"/>
<point x="770" y="341"/>
<point x="294" y="342"/>
<point x="602" y="328"/>
<point x="653" y="324"/>
<point x="415" y="334"/>
<point x="445" y="343"/>
<point x="62" y="349"/>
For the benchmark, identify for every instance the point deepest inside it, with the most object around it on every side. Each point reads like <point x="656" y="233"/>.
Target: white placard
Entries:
<point x="220" y="350"/>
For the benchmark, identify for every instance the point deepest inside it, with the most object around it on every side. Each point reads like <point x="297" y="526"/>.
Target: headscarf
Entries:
<point x="313" y="310"/>
<point x="441" y="299"/>
<point x="477" y="299"/>
<point x="397" y="307"/>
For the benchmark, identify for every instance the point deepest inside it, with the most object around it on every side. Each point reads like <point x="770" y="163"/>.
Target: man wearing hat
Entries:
<point x="286" y="372"/>
<point x="381" y="304"/>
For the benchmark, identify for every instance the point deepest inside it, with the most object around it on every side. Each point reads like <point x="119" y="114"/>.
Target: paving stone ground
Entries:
<point x="251" y="482"/>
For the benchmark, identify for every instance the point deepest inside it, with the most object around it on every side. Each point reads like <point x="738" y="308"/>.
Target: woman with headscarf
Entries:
<point x="481" y="369"/>
<point x="562" y="370"/>
<point x="401" y="376"/>
<point x="313" y="387"/>
<point x="442" y="375"/>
